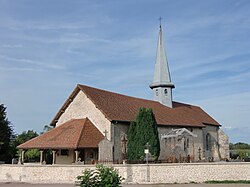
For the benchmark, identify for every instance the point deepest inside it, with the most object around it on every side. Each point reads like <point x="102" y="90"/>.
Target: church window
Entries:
<point x="165" y="91"/>
<point x="186" y="144"/>
<point x="208" y="141"/>
<point x="157" y="92"/>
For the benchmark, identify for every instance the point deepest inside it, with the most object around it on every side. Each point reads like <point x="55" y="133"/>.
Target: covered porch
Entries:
<point x="75" y="141"/>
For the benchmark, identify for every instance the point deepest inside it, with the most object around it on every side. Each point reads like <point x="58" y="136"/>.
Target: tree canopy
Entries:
<point x="31" y="154"/>
<point x="142" y="131"/>
<point x="25" y="136"/>
<point x="6" y="135"/>
<point x="239" y="145"/>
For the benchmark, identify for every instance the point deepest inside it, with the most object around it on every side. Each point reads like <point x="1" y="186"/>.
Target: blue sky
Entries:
<point x="48" y="46"/>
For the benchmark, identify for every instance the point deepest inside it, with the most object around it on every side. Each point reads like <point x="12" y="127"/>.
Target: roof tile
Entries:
<point x="120" y="107"/>
<point x="75" y="133"/>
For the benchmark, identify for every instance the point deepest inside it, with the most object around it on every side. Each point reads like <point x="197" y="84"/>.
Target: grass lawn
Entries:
<point x="229" y="182"/>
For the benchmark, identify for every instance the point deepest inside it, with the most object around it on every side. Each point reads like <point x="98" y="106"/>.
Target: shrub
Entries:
<point x="103" y="177"/>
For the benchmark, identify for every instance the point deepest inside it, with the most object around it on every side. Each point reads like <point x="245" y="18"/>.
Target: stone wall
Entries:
<point x="82" y="107"/>
<point x="120" y="129"/>
<point x="224" y="145"/>
<point x="196" y="149"/>
<point x="195" y="143"/>
<point x="212" y="150"/>
<point x="155" y="173"/>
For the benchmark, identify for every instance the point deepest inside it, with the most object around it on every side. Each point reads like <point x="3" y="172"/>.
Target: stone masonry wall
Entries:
<point x="224" y="144"/>
<point x="155" y="173"/>
<point x="82" y="107"/>
<point x="195" y="144"/>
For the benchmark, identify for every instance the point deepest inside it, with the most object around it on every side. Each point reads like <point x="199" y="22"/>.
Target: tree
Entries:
<point x="6" y="135"/>
<point x="142" y="131"/>
<point x="31" y="154"/>
<point x="46" y="128"/>
<point x="239" y="145"/>
<point x="240" y="149"/>
<point x="132" y="141"/>
<point x="25" y="136"/>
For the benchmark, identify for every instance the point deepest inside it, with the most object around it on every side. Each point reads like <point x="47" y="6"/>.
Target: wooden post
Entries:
<point x="21" y="157"/>
<point x="54" y="157"/>
<point x="41" y="156"/>
<point x="77" y="155"/>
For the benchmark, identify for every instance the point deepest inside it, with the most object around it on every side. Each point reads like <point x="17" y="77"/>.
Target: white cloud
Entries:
<point x="31" y="62"/>
<point x="11" y="46"/>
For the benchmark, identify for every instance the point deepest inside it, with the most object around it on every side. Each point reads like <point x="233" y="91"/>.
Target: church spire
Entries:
<point x="162" y="85"/>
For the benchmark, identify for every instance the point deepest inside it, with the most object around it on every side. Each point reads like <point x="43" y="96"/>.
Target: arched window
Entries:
<point x="165" y="91"/>
<point x="208" y="141"/>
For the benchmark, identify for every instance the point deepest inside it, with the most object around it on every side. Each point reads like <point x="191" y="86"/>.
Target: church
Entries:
<point x="92" y="125"/>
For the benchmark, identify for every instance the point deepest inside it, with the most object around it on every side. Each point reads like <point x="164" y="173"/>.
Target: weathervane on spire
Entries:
<point x="160" y="18"/>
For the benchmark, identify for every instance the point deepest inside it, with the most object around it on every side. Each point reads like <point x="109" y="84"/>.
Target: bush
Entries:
<point x="102" y="177"/>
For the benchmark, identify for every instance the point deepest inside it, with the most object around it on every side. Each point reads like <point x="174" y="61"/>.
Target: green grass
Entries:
<point x="229" y="182"/>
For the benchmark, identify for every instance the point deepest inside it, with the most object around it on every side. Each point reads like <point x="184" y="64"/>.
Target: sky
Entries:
<point x="47" y="47"/>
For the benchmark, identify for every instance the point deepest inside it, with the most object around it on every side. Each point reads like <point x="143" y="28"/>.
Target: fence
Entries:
<point x="133" y="173"/>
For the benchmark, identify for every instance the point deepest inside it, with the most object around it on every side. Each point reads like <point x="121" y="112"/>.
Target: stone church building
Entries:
<point x="92" y="125"/>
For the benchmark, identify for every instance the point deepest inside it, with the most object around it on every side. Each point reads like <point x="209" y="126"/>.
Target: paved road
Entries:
<point x="126" y="185"/>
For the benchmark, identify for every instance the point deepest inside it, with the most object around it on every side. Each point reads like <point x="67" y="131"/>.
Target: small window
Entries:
<point x="165" y="91"/>
<point x="64" y="152"/>
<point x="186" y="144"/>
<point x="208" y="142"/>
<point x="157" y="92"/>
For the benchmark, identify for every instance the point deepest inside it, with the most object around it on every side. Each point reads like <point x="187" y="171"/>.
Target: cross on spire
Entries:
<point x="105" y="133"/>
<point x="160" y="18"/>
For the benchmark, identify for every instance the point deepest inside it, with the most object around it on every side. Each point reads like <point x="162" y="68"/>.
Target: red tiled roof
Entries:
<point x="118" y="107"/>
<point x="75" y="133"/>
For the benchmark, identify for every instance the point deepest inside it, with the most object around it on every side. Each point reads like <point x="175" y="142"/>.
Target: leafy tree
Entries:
<point x="25" y="136"/>
<point x="142" y="131"/>
<point x="46" y="128"/>
<point x="240" y="149"/>
<point x="31" y="154"/>
<point x="103" y="177"/>
<point x="6" y="135"/>
<point x="239" y="145"/>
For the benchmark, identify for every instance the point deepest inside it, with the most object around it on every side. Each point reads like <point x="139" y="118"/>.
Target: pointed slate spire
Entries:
<point x="162" y="85"/>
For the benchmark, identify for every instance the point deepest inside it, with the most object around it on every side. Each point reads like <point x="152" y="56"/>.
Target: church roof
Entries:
<point x="75" y="133"/>
<point x="118" y="107"/>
